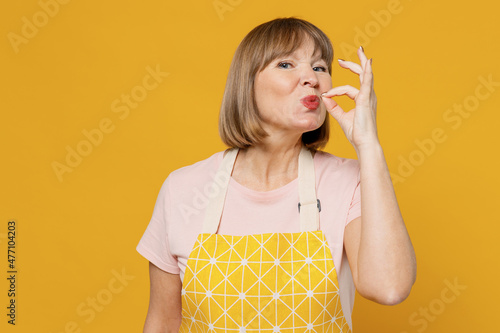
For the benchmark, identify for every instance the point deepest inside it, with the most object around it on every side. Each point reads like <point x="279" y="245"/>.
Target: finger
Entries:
<point x="331" y="105"/>
<point x="362" y="56"/>
<point x="370" y="70"/>
<point x="367" y="83"/>
<point x="350" y="91"/>
<point x="352" y="66"/>
<point x="366" y="89"/>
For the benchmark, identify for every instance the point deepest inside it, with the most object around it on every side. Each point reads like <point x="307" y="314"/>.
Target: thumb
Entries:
<point x="333" y="108"/>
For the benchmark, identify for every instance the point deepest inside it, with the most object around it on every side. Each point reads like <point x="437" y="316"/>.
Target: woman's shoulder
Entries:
<point x="329" y="162"/>
<point x="194" y="173"/>
<point x="341" y="174"/>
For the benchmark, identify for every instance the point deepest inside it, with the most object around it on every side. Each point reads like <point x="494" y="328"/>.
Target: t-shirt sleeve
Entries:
<point x="154" y="244"/>
<point x="355" y="207"/>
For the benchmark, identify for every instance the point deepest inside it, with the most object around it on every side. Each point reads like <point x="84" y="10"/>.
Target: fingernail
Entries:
<point x="371" y="61"/>
<point x="361" y="48"/>
<point x="323" y="94"/>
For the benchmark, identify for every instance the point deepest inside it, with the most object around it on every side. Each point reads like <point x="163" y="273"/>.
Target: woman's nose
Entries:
<point x="308" y="77"/>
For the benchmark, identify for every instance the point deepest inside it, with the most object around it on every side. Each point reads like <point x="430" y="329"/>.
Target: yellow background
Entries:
<point x="74" y="235"/>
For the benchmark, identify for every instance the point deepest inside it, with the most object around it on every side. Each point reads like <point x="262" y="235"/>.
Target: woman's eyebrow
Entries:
<point x="318" y="56"/>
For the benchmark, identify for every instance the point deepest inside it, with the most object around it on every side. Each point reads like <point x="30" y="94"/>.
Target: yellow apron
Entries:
<point x="274" y="282"/>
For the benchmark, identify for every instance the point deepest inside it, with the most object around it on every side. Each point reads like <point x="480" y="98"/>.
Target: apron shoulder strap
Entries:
<point x="216" y="203"/>
<point x="308" y="205"/>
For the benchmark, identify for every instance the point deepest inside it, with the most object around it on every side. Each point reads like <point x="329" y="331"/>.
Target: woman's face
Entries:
<point x="280" y="87"/>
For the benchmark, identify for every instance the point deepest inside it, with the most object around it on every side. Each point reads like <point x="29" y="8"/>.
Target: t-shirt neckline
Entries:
<point x="277" y="193"/>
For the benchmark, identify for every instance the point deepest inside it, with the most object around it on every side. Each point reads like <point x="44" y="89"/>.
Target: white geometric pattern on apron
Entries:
<point x="297" y="273"/>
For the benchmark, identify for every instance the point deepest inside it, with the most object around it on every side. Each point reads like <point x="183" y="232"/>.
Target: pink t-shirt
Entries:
<point x="180" y="209"/>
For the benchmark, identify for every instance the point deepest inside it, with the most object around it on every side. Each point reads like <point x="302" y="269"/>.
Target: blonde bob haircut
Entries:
<point x="240" y="124"/>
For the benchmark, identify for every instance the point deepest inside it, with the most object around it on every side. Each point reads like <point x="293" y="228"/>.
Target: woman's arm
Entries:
<point x="377" y="244"/>
<point x="164" y="313"/>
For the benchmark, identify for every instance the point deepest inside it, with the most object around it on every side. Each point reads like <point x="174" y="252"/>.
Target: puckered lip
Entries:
<point x="310" y="99"/>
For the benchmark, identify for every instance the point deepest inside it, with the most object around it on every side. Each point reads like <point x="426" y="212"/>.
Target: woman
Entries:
<point x="268" y="235"/>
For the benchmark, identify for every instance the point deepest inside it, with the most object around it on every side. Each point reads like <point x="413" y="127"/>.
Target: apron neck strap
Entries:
<point x="308" y="205"/>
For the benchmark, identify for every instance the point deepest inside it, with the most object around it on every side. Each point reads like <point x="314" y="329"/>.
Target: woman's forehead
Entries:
<point x="306" y="43"/>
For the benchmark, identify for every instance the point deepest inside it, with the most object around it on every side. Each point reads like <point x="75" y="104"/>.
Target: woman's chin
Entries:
<point x="310" y="126"/>
<point x="314" y="122"/>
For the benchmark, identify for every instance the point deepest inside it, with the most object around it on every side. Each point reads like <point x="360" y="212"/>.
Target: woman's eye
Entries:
<point x="283" y="63"/>
<point x="286" y="65"/>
